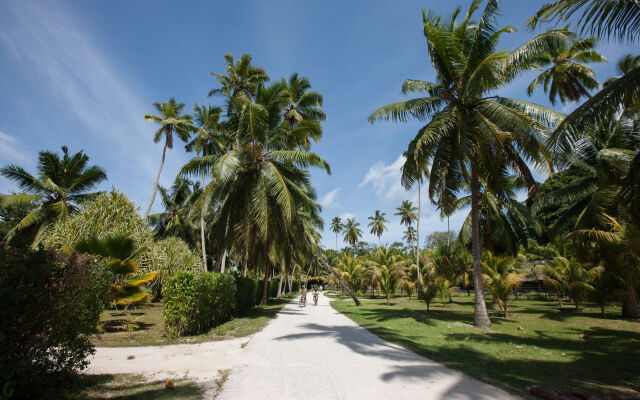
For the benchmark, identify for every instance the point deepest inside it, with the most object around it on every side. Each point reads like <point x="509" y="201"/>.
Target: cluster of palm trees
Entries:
<point x="477" y="147"/>
<point x="255" y="206"/>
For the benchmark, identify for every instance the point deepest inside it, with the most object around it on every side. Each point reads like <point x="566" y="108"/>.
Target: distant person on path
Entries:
<point x="316" y="294"/>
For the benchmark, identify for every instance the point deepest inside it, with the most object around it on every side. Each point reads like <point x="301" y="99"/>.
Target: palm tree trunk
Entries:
<point x="282" y="275"/>
<point x="418" y="243"/>
<point x="265" y="283"/>
<point x="630" y="303"/>
<point x="204" y="251"/>
<point x="344" y="285"/>
<point x="480" y="317"/>
<point x="448" y="232"/>
<point x="155" y="185"/>
<point x="336" y="242"/>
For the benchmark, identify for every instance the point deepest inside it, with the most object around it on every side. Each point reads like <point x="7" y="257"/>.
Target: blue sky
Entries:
<point x="83" y="73"/>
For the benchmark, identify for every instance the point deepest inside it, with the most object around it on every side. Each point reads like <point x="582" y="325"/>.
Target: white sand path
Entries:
<point x="318" y="353"/>
<point x="310" y="353"/>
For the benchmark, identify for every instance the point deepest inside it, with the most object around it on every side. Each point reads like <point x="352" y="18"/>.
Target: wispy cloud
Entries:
<point x="330" y="200"/>
<point x="9" y="149"/>
<point x="55" y="49"/>
<point x="385" y="180"/>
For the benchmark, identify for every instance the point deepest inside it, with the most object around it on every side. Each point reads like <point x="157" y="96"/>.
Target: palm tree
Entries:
<point x="619" y="19"/>
<point x="336" y="227"/>
<point x="568" y="78"/>
<point x="176" y="218"/>
<point x="407" y="213"/>
<point x="410" y="236"/>
<point x="210" y="142"/>
<point x="377" y="224"/>
<point x="352" y="233"/>
<point x="351" y="271"/>
<point x="62" y="184"/>
<point x="303" y="103"/>
<point x="568" y="276"/>
<point x="171" y="121"/>
<point x="469" y="124"/>
<point x="501" y="278"/>
<point x="625" y="65"/>
<point x="387" y="268"/>
<point x="242" y="79"/>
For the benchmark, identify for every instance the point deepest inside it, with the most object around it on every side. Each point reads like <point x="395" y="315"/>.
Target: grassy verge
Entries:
<point x="539" y="345"/>
<point x="145" y="327"/>
<point x="131" y="387"/>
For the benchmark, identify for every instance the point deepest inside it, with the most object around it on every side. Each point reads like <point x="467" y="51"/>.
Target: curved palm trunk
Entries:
<point x="630" y="303"/>
<point x="344" y="285"/>
<point x="480" y="317"/>
<point x="418" y="245"/>
<point x="155" y="185"/>
<point x="336" y="242"/>
<point x="202" y="240"/>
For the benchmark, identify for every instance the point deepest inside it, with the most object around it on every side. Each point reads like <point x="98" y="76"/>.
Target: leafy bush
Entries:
<point x="246" y="293"/>
<point x="51" y="303"/>
<point x="195" y="302"/>
<point x="168" y="256"/>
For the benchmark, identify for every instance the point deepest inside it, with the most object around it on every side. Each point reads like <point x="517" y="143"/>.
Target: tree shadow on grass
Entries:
<point x="606" y="361"/>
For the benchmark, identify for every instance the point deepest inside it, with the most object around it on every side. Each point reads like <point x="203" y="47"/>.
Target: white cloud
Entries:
<point x="330" y="200"/>
<point x="347" y="215"/>
<point x="9" y="149"/>
<point x="385" y="180"/>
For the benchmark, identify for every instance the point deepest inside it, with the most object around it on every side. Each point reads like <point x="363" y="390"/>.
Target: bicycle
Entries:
<point x="303" y="300"/>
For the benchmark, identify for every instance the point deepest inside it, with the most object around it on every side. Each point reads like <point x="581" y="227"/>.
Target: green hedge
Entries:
<point x="246" y="293"/>
<point x="194" y="302"/>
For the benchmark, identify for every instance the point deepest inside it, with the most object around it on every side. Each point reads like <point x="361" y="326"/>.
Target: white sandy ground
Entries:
<point x="309" y="353"/>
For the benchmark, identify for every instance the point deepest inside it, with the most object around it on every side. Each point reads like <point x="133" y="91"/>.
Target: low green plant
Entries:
<point x="168" y="256"/>
<point x="246" y="293"/>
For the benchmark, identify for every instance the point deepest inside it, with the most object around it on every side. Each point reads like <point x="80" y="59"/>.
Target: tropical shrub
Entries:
<point x="168" y="256"/>
<point x="429" y="293"/>
<point x="51" y="303"/>
<point x="196" y="302"/>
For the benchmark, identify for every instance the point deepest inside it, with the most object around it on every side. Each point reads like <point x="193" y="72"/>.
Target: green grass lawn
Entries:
<point x="131" y="387"/>
<point x="145" y="327"/>
<point x="548" y="351"/>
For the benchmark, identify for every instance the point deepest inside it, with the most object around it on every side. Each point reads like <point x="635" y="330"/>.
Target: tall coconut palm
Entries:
<point x="61" y="185"/>
<point x="566" y="76"/>
<point x="171" y="121"/>
<point x="413" y="171"/>
<point x="469" y="122"/>
<point x="352" y="233"/>
<point x="209" y="141"/>
<point x="336" y="227"/>
<point x="242" y="79"/>
<point x="377" y="224"/>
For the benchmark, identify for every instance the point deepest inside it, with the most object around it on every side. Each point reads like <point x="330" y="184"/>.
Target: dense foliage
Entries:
<point x="51" y="304"/>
